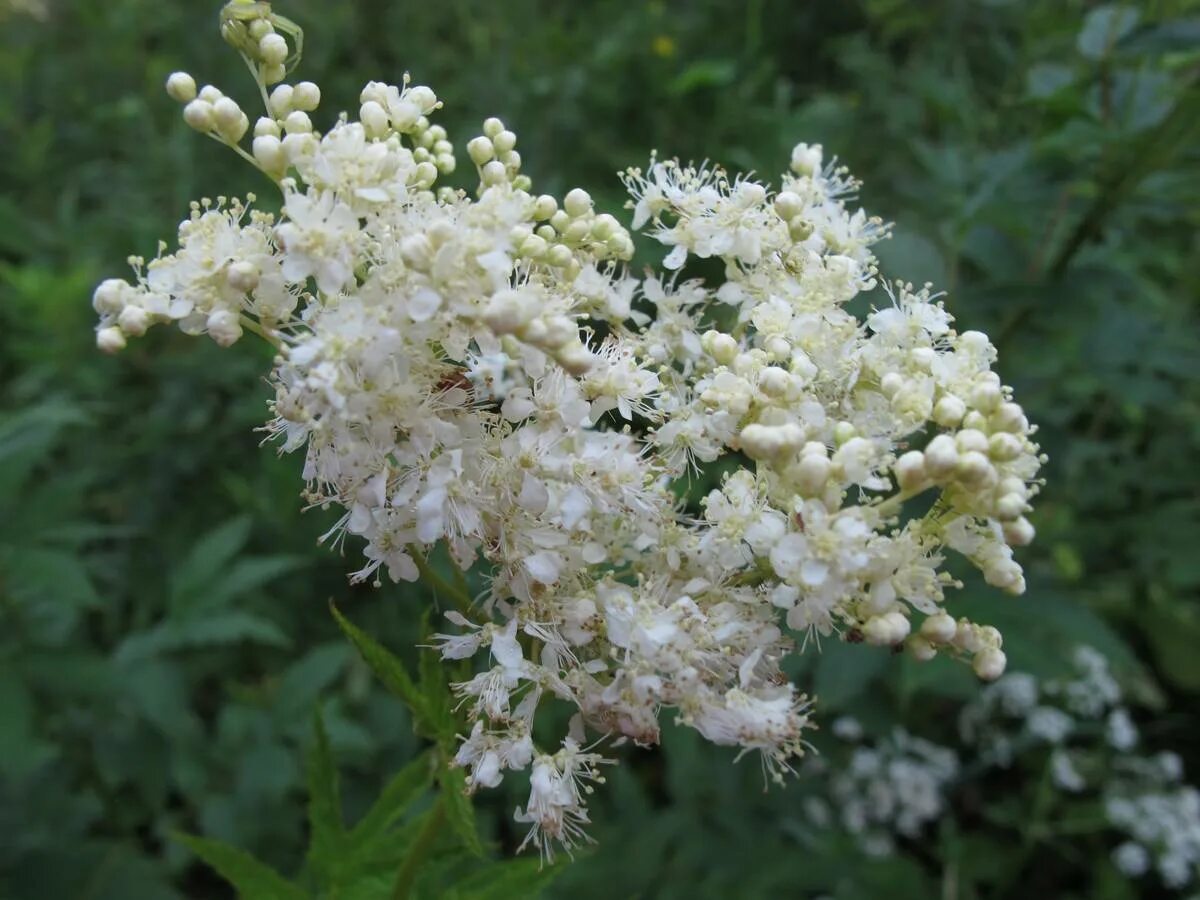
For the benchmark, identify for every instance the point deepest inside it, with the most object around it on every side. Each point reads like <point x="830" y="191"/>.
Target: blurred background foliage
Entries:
<point x="164" y="636"/>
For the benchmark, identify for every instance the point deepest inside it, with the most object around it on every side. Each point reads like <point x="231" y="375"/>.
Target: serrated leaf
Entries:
<point x="208" y="558"/>
<point x="459" y="811"/>
<point x="397" y="797"/>
<point x="326" y="831"/>
<point x="389" y="669"/>
<point x="231" y="627"/>
<point x="525" y="878"/>
<point x="253" y="880"/>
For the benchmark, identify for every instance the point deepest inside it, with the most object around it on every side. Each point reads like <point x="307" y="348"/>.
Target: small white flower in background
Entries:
<point x="483" y="371"/>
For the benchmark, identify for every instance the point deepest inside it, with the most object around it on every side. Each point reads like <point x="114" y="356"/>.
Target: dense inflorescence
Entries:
<point x="484" y="372"/>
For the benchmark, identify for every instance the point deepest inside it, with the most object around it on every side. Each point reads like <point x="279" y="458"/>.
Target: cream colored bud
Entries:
<point x="110" y="339"/>
<point x="544" y="208"/>
<point x="268" y="153"/>
<point x="949" y="411"/>
<point x="509" y="311"/>
<point x="273" y="49"/>
<point x="298" y="122"/>
<point x="133" y="320"/>
<point x="481" y="150"/>
<point x="812" y="473"/>
<point x="800" y="229"/>
<point x="265" y="127"/>
<point x="578" y="202"/>
<point x="425" y="175"/>
<point x="532" y="247"/>
<point x="306" y="96"/>
<point x="1009" y="417"/>
<point x="1003" y="446"/>
<point x="971" y="439"/>
<point x="109" y="297"/>
<point x="199" y="115"/>
<point x="891" y="383"/>
<point x="274" y="74"/>
<point x="242" y="276"/>
<point x="417" y="251"/>
<point x="210" y="93"/>
<point x="722" y="347"/>
<point x="986" y="396"/>
<point x="281" y="100"/>
<point x="493" y="173"/>
<point x="788" y="205"/>
<point x="939" y="628"/>
<point x="559" y="256"/>
<point x="574" y="358"/>
<point x="774" y="381"/>
<point x="504" y="141"/>
<point x="1019" y="532"/>
<point x="973" y="467"/>
<point x="1009" y="507"/>
<point x="181" y="87"/>
<point x="492" y="127"/>
<point x="374" y="119"/>
<point x="941" y="456"/>
<point x="910" y="470"/>
<point x="989" y="663"/>
<point x="223" y="327"/>
<point x="919" y="648"/>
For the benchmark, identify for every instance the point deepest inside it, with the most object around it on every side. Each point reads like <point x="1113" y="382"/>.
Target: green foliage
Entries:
<point x="163" y="632"/>
<point x="381" y="856"/>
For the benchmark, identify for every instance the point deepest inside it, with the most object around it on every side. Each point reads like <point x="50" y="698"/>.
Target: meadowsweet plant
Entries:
<point x="483" y="370"/>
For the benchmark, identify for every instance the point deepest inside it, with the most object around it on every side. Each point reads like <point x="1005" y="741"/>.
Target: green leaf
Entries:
<point x="208" y="558"/>
<point x="327" y="833"/>
<point x="436" y="693"/>
<point x="459" y="811"/>
<point x="405" y="788"/>
<point x="221" y="629"/>
<point x="525" y="878"/>
<point x="1103" y="27"/>
<point x="252" y="879"/>
<point x="389" y="669"/>
<point x="706" y="73"/>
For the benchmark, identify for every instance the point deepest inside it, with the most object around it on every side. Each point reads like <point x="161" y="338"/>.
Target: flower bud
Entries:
<point x="788" y="205"/>
<point x="265" y="127"/>
<point x="110" y="339"/>
<point x="774" y="381"/>
<point x="199" y="115"/>
<point x="1019" y="532"/>
<point x="910" y="470"/>
<point x="940" y="628"/>
<point x="974" y="468"/>
<point x="133" y="320"/>
<point x="578" y="202"/>
<point x="181" y="87"/>
<point x="281" y="100"/>
<point x="481" y="150"/>
<point x="109" y="296"/>
<point x="492" y="127"/>
<point x="298" y="122"/>
<point x="919" y="648"/>
<point x="306" y="96"/>
<point x="374" y="119"/>
<point x="1003" y="446"/>
<point x="223" y="327"/>
<point x="989" y="663"/>
<point x="504" y="141"/>
<point x="509" y="311"/>
<point x="941" y="456"/>
<point x="272" y="49"/>
<point x="268" y="153"/>
<point x="242" y="276"/>
<point x="949" y="411"/>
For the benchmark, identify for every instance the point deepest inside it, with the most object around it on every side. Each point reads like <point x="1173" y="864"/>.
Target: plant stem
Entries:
<point x="407" y="874"/>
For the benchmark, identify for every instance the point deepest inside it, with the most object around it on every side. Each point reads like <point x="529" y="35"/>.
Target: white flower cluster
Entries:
<point x="484" y="373"/>
<point x="1093" y="737"/>
<point x="898" y="784"/>
<point x="894" y="786"/>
